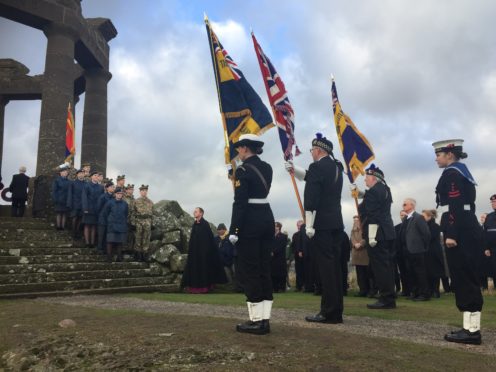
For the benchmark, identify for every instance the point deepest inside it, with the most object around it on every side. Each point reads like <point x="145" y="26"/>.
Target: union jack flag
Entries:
<point x="278" y="98"/>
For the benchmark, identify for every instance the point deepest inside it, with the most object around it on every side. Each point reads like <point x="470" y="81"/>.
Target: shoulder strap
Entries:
<point x="259" y="174"/>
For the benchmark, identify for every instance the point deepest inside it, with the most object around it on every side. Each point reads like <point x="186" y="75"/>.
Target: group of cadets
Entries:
<point x="109" y="216"/>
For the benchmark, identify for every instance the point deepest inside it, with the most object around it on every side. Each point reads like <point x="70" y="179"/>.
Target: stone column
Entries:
<point x="57" y="91"/>
<point x="3" y="103"/>
<point x="94" y="139"/>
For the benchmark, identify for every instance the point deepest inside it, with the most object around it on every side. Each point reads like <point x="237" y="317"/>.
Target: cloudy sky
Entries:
<point x="407" y="74"/>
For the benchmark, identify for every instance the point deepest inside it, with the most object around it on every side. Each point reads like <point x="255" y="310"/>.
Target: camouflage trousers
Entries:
<point x="142" y="236"/>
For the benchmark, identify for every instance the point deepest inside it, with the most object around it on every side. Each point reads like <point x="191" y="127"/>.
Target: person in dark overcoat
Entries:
<point x="252" y="231"/>
<point x="75" y="202"/>
<point x="115" y="213"/>
<point x="19" y="190"/>
<point x="378" y="229"/>
<point x="298" y="250"/>
<point x="434" y="256"/>
<point x="91" y="192"/>
<point x="489" y="227"/>
<point x="60" y="190"/>
<point x="324" y="224"/>
<point x="278" y="269"/>
<point x="102" y="221"/>
<point x="455" y="193"/>
<point x="203" y="268"/>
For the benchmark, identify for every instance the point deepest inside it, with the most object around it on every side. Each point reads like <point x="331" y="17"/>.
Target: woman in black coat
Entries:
<point x="434" y="255"/>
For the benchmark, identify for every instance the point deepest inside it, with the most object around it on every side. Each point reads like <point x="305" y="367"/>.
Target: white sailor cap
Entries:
<point x="448" y="145"/>
<point x="249" y="139"/>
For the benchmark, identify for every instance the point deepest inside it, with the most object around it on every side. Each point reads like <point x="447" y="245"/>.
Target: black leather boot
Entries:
<point x="255" y="328"/>
<point x="266" y="325"/>
<point x="464" y="336"/>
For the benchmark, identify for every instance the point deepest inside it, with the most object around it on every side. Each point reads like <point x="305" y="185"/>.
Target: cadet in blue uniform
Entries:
<point x="115" y="213"/>
<point x="324" y="224"/>
<point x="102" y="223"/>
<point x="252" y="230"/>
<point x="91" y="192"/>
<point x="60" y="188"/>
<point x="455" y="193"/>
<point x="75" y="202"/>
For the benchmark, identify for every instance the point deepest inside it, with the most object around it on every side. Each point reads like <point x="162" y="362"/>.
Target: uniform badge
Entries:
<point x="237" y="183"/>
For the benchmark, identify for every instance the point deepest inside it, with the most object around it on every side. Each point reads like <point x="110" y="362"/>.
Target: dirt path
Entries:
<point x="411" y="331"/>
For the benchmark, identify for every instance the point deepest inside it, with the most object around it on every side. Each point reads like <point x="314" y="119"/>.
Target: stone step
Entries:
<point x="166" y="288"/>
<point x="85" y="284"/>
<point x="60" y="243"/>
<point x="35" y="235"/>
<point x="32" y="251"/>
<point x="31" y="225"/>
<point x="81" y="266"/>
<point x="48" y="277"/>
<point x="47" y="259"/>
<point x="22" y="220"/>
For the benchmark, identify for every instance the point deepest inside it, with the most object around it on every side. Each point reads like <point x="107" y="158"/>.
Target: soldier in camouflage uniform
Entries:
<point x="121" y="182"/>
<point x="141" y="219"/>
<point x="129" y="199"/>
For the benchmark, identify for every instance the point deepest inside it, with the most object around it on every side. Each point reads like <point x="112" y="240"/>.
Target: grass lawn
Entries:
<point x="442" y="310"/>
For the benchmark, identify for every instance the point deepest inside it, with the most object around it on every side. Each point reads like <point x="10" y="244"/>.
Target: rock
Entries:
<point x="67" y="323"/>
<point x="15" y="252"/>
<point x="159" y="269"/>
<point x="172" y="237"/>
<point x="154" y="246"/>
<point x="165" y="334"/>
<point x="170" y="206"/>
<point x="163" y="254"/>
<point x="178" y="262"/>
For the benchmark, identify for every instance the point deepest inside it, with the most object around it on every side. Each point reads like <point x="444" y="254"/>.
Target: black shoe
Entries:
<point x="381" y="305"/>
<point x="266" y="325"/>
<point x="255" y="328"/>
<point x="319" y="318"/>
<point x="372" y="295"/>
<point x="464" y="336"/>
<point x="421" y="298"/>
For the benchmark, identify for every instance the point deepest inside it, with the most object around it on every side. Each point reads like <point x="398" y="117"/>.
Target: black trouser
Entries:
<point x="253" y="268"/>
<point x="363" y="278"/>
<point x="465" y="281"/>
<point x="299" y="271"/>
<point x="405" y="274"/>
<point x="344" y="273"/>
<point x="380" y="258"/>
<point x="18" y="206"/>
<point x="418" y="270"/>
<point x="309" y="272"/>
<point x="327" y="244"/>
<point x="317" y="282"/>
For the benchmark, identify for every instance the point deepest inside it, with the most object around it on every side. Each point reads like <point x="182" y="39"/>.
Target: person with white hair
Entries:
<point x="19" y="190"/>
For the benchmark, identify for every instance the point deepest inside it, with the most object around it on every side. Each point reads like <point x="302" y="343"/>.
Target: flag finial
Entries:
<point x="205" y="17"/>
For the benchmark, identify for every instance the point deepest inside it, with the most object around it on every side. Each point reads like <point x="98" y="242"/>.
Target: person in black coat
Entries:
<point x="324" y="224"/>
<point x="60" y="189"/>
<point x="19" y="190"/>
<point x="75" y="202"/>
<point x="462" y="235"/>
<point x="434" y="256"/>
<point x="102" y="222"/>
<point x="297" y="248"/>
<point x="226" y="251"/>
<point x="489" y="227"/>
<point x="378" y="229"/>
<point x="278" y="269"/>
<point x="115" y="213"/>
<point x="252" y="230"/>
<point x="401" y="260"/>
<point x="203" y="268"/>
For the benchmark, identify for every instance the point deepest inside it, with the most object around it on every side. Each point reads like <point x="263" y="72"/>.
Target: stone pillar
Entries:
<point x="94" y="138"/>
<point x="57" y="91"/>
<point x="3" y="103"/>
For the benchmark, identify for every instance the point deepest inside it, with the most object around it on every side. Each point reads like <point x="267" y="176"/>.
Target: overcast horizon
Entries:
<point x="407" y="74"/>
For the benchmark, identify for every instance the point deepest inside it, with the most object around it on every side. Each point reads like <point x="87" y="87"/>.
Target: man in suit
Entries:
<point x="19" y="189"/>
<point x="324" y="224"/>
<point x="415" y="237"/>
<point x="378" y="229"/>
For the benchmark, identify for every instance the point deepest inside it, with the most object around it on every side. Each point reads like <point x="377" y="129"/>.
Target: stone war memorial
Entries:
<point x="35" y="259"/>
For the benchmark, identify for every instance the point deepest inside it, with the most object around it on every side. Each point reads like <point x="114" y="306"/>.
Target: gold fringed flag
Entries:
<point x="241" y="107"/>
<point x="356" y="149"/>
<point x="70" y="137"/>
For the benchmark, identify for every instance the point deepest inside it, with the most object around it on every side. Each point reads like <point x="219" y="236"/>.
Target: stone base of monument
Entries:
<point x="37" y="260"/>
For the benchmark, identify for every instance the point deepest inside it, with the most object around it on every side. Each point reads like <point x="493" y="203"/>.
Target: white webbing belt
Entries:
<point x="258" y="201"/>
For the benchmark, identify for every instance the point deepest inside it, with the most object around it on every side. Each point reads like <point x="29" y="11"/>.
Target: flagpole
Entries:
<point x="226" y="137"/>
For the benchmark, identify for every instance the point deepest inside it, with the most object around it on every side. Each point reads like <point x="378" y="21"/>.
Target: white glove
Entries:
<point x="309" y="218"/>
<point x="233" y="239"/>
<point x="355" y="191"/>
<point x="297" y="171"/>
<point x="372" y="235"/>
